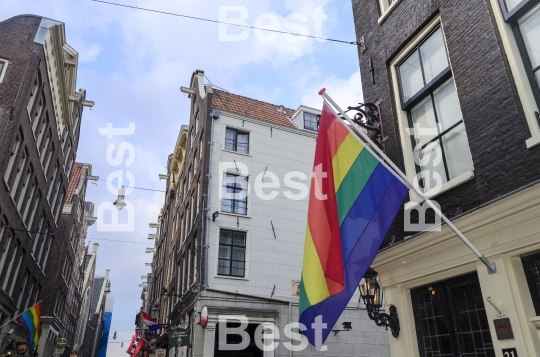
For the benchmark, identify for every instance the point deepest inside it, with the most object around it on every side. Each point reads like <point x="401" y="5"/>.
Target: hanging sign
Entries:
<point x="204" y="317"/>
<point x="22" y="348"/>
<point x="61" y="343"/>
<point x="179" y="337"/>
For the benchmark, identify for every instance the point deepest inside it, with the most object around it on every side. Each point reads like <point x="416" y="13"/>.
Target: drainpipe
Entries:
<point x="213" y="116"/>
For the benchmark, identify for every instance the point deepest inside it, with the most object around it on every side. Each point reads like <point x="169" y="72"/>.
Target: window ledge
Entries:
<point x="236" y="152"/>
<point x="388" y="11"/>
<point x="230" y="277"/>
<point x="466" y="176"/>
<point x="533" y="140"/>
<point x="235" y="214"/>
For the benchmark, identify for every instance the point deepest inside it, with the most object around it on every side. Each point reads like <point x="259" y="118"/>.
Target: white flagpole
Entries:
<point x="492" y="269"/>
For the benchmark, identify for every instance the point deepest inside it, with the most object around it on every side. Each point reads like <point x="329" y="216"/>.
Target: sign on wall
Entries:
<point x="503" y="328"/>
<point x="204" y="317"/>
<point x="509" y="352"/>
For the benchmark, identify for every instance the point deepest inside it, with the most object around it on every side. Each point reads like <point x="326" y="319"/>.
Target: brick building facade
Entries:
<point x="63" y="292"/>
<point x="459" y="86"/>
<point x="40" y="113"/>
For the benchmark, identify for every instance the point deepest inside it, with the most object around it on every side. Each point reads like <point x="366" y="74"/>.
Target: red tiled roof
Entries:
<point x="74" y="181"/>
<point x="252" y="108"/>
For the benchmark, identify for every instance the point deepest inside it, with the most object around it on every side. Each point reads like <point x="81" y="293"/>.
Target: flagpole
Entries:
<point x="492" y="269"/>
<point x="7" y="323"/>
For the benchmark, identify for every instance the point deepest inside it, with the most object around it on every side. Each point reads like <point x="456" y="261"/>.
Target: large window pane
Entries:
<point x="230" y="139"/>
<point x="411" y="76"/>
<point x="243" y="143"/>
<point x="433" y="168"/>
<point x="232" y="253"/>
<point x="511" y="4"/>
<point x="447" y="105"/>
<point x="530" y="29"/>
<point x="425" y="125"/>
<point x="457" y="152"/>
<point x="434" y="59"/>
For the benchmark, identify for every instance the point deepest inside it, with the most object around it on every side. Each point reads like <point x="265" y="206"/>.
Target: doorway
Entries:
<point x="451" y="320"/>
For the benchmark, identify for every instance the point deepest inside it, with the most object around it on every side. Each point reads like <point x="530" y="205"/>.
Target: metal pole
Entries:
<point x="492" y="269"/>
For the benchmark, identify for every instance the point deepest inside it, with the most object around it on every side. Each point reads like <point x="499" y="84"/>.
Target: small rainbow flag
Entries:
<point x="30" y="322"/>
<point x="354" y="198"/>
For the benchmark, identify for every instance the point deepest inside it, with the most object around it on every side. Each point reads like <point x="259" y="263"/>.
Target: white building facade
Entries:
<point x="259" y="170"/>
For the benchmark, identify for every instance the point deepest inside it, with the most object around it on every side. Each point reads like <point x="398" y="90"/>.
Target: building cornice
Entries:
<point x="503" y="226"/>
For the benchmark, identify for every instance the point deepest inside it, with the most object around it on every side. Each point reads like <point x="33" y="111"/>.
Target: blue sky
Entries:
<point x="132" y="64"/>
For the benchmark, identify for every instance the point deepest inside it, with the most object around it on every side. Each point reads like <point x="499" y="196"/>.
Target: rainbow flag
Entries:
<point x="30" y="322"/>
<point x="354" y="198"/>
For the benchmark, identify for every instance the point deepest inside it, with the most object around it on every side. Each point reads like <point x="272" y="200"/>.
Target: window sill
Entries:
<point x="230" y="277"/>
<point x="236" y="152"/>
<point x="388" y="11"/>
<point x="466" y="176"/>
<point x="533" y="141"/>
<point x="235" y="214"/>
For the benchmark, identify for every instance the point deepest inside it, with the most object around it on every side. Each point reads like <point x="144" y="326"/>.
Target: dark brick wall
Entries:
<point x="176" y="205"/>
<point x="493" y="115"/>
<point x="26" y="62"/>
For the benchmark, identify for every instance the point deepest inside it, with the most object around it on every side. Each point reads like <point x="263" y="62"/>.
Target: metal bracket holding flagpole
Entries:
<point x="491" y="267"/>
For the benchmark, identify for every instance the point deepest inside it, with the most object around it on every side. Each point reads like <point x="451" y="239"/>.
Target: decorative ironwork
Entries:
<point x="368" y="116"/>
<point x="372" y="294"/>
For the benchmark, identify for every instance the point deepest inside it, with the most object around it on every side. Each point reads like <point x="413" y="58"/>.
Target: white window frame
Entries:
<point x="243" y="130"/>
<point x="216" y="262"/>
<point x="519" y="73"/>
<point x="4" y="69"/>
<point x="403" y="122"/>
<point x="385" y="11"/>
<point x="222" y="174"/>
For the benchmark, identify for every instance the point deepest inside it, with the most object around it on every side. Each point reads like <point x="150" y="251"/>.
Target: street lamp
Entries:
<point x="372" y="294"/>
<point x="120" y="202"/>
<point x="8" y="351"/>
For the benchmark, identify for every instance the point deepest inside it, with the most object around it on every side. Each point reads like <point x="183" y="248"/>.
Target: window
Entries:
<point x="20" y="169"/>
<point x="518" y="22"/>
<point x="33" y="94"/>
<point x="311" y="121"/>
<point x="451" y="320"/>
<point x="234" y="194"/>
<point x="385" y="7"/>
<point x="531" y="266"/>
<point x="429" y="97"/>
<point x="232" y="253"/>
<point x="237" y="141"/>
<point x="524" y="18"/>
<point x="14" y="154"/>
<point x="3" y="67"/>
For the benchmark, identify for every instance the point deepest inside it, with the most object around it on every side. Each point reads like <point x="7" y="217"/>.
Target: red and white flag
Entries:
<point x="136" y="344"/>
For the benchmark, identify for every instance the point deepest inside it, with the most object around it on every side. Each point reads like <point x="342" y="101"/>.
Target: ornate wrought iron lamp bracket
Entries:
<point x="387" y="320"/>
<point x="368" y="116"/>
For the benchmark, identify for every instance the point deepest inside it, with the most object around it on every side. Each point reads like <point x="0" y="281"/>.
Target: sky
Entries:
<point x="132" y="64"/>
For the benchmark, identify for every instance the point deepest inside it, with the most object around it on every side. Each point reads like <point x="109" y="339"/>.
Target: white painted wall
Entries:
<point x="270" y="261"/>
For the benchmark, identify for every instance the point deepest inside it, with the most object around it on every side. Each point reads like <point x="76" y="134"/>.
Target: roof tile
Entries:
<point x="252" y="108"/>
<point x="74" y="181"/>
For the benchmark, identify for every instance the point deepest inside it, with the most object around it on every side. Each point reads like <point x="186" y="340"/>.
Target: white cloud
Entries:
<point x="88" y="52"/>
<point x="345" y="92"/>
